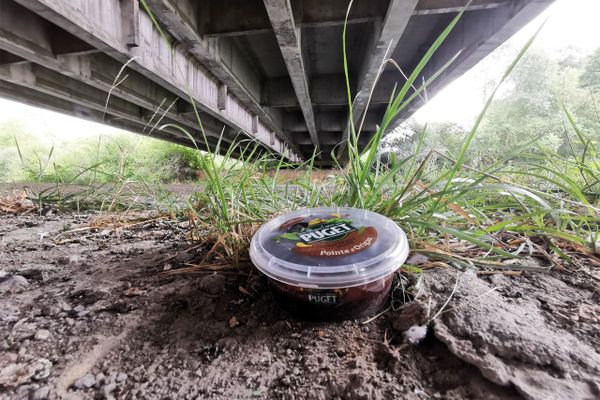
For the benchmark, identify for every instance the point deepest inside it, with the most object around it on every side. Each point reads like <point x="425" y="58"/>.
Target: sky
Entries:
<point x="570" y="23"/>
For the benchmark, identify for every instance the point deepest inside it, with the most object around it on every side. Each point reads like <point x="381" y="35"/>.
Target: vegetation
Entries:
<point x="521" y="185"/>
<point x="104" y="159"/>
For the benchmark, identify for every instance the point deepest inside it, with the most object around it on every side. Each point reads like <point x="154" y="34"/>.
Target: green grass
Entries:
<point x="479" y="217"/>
<point x="530" y="204"/>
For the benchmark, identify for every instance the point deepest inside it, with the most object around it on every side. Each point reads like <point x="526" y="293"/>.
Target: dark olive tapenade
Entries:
<point x="330" y="263"/>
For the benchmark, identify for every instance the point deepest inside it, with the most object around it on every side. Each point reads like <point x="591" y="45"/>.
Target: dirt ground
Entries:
<point x="89" y="314"/>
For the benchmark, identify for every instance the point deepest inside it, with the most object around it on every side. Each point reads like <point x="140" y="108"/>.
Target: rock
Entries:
<point x="23" y="330"/>
<point x="213" y="284"/>
<point x="13" y="375"/>
<point x="42" y="334"/>
<point x="7" y="358"/>
<point x="50" y="311"/>
<point x="412" y="313"/>
<point x="42" y="368"/>
<point x="233" y="322"/>
<point x="121" y="377"/>
<point x="415" y="334"/>
<point x="511" y="342"/>
<point x="16" y="374"/>
<point x="85" y="382"/>
<point x="107" y="391"/>
<point x="41" y="394"/>
<point x="13" y="283"/>
<point x="589" y="313"/>
<point x="100" y="379"/>
<point x="79" y="309"/>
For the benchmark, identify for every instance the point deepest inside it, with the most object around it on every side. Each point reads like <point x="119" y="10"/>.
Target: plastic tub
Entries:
<point x="330" y="263"/>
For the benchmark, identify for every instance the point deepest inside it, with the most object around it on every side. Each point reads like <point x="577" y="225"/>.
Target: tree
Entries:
<point x="590" y="77"/>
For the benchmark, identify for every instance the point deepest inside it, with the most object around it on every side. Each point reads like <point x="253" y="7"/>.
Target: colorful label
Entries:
<point x="327" y="231"/>
<point x="327" y="237"/>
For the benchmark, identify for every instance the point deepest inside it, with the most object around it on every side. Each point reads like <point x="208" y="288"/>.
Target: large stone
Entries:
<point x="511" y="341"/>
<point x="13" y="283"/>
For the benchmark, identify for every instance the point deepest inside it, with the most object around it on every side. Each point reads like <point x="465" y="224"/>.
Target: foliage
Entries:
<point x="590" y="77"/>
<point x="527" y="174"/>
<point x="530" y="109"/>
<point x="105" y="159"/>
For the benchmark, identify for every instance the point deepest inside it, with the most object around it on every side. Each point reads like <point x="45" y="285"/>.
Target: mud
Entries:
<point x="87" y="314"/>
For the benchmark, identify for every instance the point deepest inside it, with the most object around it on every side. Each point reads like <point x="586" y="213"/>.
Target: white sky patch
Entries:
<point x="572" y="23"/>
<point x="50" y="126"/>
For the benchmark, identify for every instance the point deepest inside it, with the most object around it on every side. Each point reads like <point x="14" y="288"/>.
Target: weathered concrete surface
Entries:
<point x="270" y="69"/>
<point x="519" y="333"/>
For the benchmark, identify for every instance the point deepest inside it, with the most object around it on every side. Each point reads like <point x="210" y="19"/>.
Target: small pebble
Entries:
<point x="41" y="393"/>
<point x="42" y="334"/>
<point x="121" y="377"/>
<point x="100" y="379"/>
<point x="415" y="334"/>
<point x="85" y="382"/>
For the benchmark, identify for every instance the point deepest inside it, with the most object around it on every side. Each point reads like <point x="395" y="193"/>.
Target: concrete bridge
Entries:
<point x="269" y="69"/>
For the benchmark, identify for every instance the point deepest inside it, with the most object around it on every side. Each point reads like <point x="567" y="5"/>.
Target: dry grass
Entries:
<point x="17" y="202"/>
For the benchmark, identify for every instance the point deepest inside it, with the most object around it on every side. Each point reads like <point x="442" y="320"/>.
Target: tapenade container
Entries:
<point x="330" y="263"/>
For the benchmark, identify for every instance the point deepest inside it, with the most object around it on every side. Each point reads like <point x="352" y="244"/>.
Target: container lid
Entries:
<point x="329" y="247"/>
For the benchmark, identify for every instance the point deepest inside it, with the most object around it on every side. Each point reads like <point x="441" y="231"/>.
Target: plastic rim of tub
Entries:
<point x="329" y="247"/>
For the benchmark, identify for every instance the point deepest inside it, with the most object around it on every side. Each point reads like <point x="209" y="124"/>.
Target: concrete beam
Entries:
<point x="34" y="44"/>
<point x="42" y="39"/>
<point x="427" y="7"/>
<point x="35" y="98"/>
<point x="223" y="58"/>
<point x="329" y="139"/>
<point x="130" y="21"/>
<point x="327" y="90"/>
<point x="154" y="57"/>
<point x="101" y="71"/>
<point x="247" y="17"/>
<point x="385" y="40"/>
<point x="244" y="17"/>
<point x="328" y="121"/>
<point x="96" y="69"/>
<point x="9" y="58"/>
<point x="53" y="84"/>
<point x="288" y="38"/>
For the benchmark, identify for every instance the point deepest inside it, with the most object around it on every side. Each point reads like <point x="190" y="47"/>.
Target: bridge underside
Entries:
<point x="267" y="70"/>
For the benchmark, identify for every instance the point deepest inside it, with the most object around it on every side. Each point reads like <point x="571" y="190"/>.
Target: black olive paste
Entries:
<point x="330" y="263"/>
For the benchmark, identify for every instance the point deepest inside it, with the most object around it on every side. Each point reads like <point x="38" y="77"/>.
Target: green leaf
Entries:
<point x="290" y="236"/>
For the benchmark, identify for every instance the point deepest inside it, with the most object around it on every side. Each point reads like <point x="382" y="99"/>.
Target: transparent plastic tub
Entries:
<point x="330" y="263"/>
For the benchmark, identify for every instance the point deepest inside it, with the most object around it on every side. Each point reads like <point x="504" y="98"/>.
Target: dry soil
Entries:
<point x="88" y="314"/>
